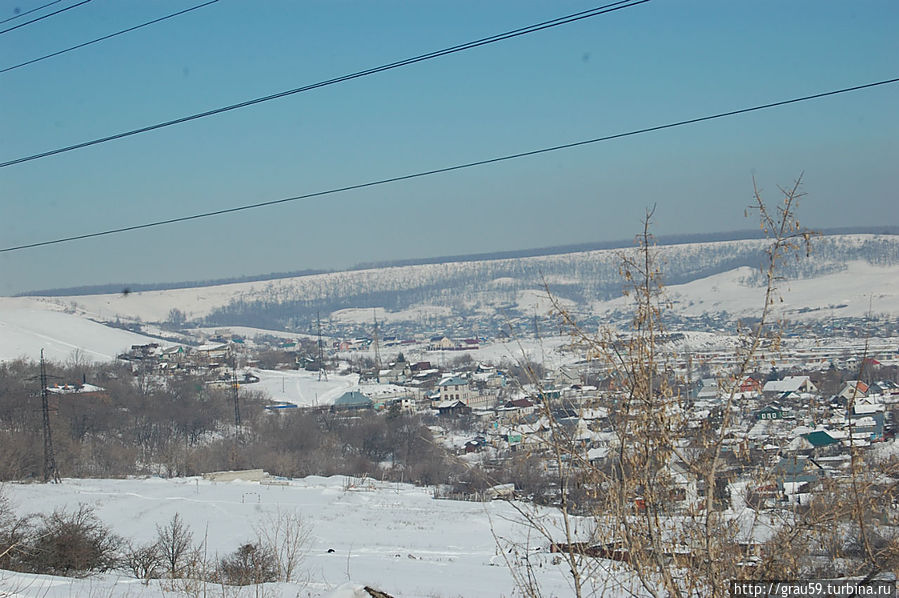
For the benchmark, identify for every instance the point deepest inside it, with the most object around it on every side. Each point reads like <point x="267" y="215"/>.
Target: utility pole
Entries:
<point x="51" y="474"/>
<point x="322" y="372"/>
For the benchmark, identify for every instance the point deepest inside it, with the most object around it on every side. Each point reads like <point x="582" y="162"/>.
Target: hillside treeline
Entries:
<point x="138" y="426"/>
<point x="578" y="277"/>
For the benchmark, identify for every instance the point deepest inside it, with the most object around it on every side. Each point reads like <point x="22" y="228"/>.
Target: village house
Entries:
<point x="468" y="344"/>
<point x="707" y="388"/>
<point x="397" y="371"/>
<point x="770" y="411"/>
<point x="441" y="343"/>
<point x="453" y="407"/>
<point x="853" y="389"/>
<point x="455" y="388"/>
<point x="886" y="388"/>
<point x="212" y="353"/>
<point x="747" y="388"/>
<point x="406" y="404"/>
<point x="790" y="384"/>
<point x="79" y="390"/>
<point x="352" y="400"/>
<point x="515" y="409"/>
<point x="149" y="352"/>
<point x="384" y="394"/>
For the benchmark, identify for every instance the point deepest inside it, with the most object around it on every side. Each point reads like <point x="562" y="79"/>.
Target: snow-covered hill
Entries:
<point x="27" y="326"/>
<point x="859" y="289"/>
<point x="844" y="276"/>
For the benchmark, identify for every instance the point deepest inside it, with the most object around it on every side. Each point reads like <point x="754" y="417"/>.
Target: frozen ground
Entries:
<point x="394" y="537"/>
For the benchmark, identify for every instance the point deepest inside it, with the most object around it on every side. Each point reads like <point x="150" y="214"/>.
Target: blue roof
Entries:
<point x="820" y="438"/>
<point x="454" y="381"/>
<point x="353" y="399"/>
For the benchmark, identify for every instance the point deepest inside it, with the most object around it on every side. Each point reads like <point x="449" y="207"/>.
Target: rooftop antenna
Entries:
<point x="322" y="372"/>
<point x="51" y="474"/>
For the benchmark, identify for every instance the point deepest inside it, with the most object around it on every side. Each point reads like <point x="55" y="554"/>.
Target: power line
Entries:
<point x="445" y="169"/>
<point x="46" y="16"/>
<point x="28" y="12"/>
<point x="105" y="37"/>
<point x="386" y="67"/>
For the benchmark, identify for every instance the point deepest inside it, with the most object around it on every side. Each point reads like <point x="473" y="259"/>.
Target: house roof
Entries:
<point x="788" y="384"/>
<point x="74" y="389"/>
<point x="796" y="466"/>
<point x="212" y="347"/>
<point x="353" y="398"/>
<point x="521" y="403"/>
<point x="450" y="404"/>
<point x="453" y="381"/>
<point x="820" y="438"/>
<point x="858" y="384"/>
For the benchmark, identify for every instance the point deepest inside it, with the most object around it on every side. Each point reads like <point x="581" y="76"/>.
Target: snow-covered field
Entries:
<point x="393" y="537"/>
<point x="27" y="326"/>
<point x="301" y="387"/>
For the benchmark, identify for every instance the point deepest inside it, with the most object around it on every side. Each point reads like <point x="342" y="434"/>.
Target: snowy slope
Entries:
<point x="27" y="326"/>
<point x="394" y="537"/>
<point x="853" y="292"/>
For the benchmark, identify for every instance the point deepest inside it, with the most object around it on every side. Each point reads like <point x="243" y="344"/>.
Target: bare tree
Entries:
<point x="252" y="563"/>
<point x="175" y="541"/>
<point x="71" y="543"/>
<point x="658" y="457"/>
<point x="143" y="561"/>
<point x="286" y="535"/>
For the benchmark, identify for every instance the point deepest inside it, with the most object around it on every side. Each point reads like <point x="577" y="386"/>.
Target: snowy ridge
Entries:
<point x="844" y="276"/>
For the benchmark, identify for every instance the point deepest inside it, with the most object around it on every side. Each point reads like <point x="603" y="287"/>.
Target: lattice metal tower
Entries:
<point x="51" y="474"/>
<point x="235" y="388"/>
<point x="322" y="372"/>
<point x="377" y="349"/>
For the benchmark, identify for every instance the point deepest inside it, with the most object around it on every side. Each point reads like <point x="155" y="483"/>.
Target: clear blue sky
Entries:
<point x="651" y="64"/>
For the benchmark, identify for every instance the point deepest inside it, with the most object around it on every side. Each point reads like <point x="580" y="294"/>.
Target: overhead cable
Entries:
<point x="386" y="67"/>
<point x="46" y="16"/>
<point x="28" y="12"/>
<point x="446" y="169"/>
<point x="105" y="37"/>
